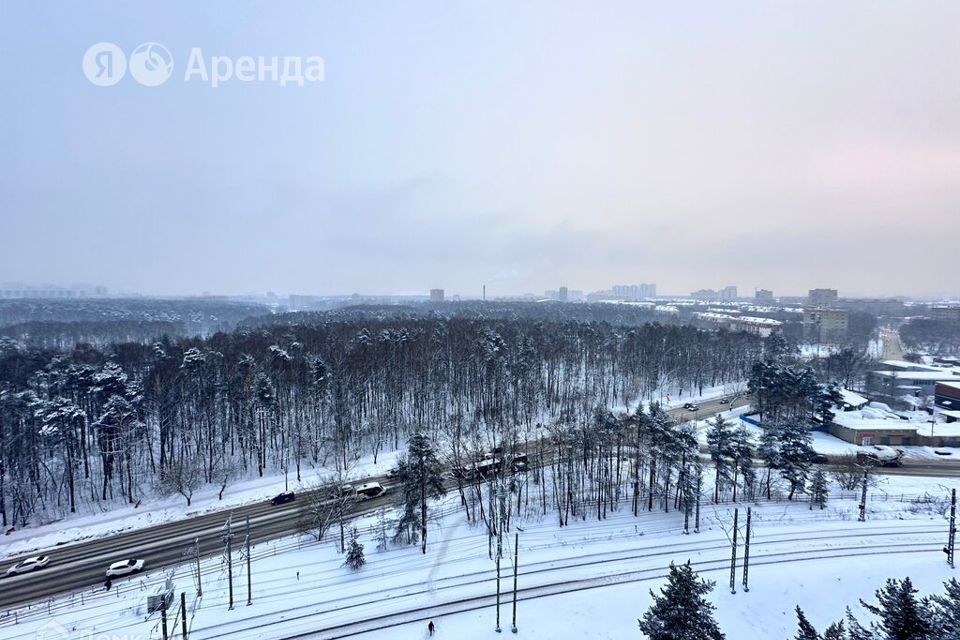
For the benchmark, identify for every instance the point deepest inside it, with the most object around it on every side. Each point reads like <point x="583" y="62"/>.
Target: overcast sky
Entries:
<point x="783" y="145"/>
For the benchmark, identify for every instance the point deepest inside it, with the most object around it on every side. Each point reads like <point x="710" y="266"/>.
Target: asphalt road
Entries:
<point x="892" y="347"/>
<point x="82" y="565"/>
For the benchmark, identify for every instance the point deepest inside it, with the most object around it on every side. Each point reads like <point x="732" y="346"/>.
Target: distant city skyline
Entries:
<point x="440" y="293"/>
<point x="524" y="146"/>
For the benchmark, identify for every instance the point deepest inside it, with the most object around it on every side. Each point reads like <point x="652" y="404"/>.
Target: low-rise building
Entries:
<point x="949" y="313"/>
<point x="877" y="425"/>
<point x="760" y="326"/>
<point x="918" y="384"/>
<point x="947" y="395"/>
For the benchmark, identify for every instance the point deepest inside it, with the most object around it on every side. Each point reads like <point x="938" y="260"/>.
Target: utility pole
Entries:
<point x="863" y="495"/>
<point x="746" y="554"/>
<point x="499" y="549"/>
<point x="696" y="521"/>
<point x="516" y="560"/>
<point x="199" y="578"/>
<point x="953" y="528"/>
<point x="685" y="489"/>
<point x="183" y="614"/>
<point x="733" y="554"/>
<point x="163" y="619"/>
<point x="249" y="575"/>
<point x="230" y="561"/>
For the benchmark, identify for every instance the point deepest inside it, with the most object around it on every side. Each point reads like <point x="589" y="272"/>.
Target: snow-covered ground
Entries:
<point x="587" y="580"/>
<point x="811" y="351"/>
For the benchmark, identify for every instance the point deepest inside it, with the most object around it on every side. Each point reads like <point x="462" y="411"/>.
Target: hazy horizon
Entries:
<point x="525" y="147"/>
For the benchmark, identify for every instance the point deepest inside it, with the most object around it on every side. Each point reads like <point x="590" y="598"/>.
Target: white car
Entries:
<point x="124" y="567"/>
<point x="28" y="565"/>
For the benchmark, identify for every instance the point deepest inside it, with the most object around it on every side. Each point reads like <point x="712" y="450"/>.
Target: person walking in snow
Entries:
<point x="431" y="628"/>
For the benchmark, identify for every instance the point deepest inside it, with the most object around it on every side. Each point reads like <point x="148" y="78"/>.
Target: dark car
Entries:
<point x="283" y="498"/>
<point x="690" y="406"/>
<point x="819" y="458"/>
<point x="520" y="463"/>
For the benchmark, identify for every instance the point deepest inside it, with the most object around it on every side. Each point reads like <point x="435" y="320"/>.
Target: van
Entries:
<point x="370" y="490"/>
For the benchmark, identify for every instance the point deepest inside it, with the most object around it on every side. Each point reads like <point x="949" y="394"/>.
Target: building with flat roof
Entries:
<point x="828" y="326"/>
<point x="728" y="293"/>
<point x="734" y="322"/>
<point x="918" y="384"/>
<point x="822" y="297"/>
<point x="875" y="424"/>
<point x="946" y="395"/>
<point x="949" y="313"/>
<point x="763" y="295"/>
<point x="634" y="291"/>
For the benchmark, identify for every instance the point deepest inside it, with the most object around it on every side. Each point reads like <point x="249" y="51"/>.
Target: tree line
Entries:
<point x="101" y="424"/>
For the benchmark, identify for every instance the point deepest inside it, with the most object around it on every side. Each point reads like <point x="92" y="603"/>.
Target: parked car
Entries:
<point x="283" y="498"/>
<point x="28" y="565"/>
<point x="819" y="458"/>
<point x="124" y="568"/>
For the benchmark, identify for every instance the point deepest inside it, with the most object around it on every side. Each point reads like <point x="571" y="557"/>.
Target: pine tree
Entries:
<point x="835" y="631"/>
<point x="945" y="611"/>
<point x="902" y="616"/>
<point x="856" y="631"/>
<point x="805" y="630"/>
<point x="818" y="489"/>
<point x="355" y="558"/>
<point x="796" y="452"/>
<point x="721" y="445"/>
<point x="743" y="470"/>
<point x="421" y="479"/>
<point x="681" y="612"/>
<point x="769" y="451"/>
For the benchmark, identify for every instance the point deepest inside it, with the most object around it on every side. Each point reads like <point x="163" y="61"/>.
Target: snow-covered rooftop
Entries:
<point x="852" y="399"/>
<point x="943" y="375"/>
<point x="909" y="366"/>
<point x="878" y="417"/>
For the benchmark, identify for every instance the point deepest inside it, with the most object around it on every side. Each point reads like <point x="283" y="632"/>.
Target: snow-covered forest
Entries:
<point x="59" y="324"/>
<point x="108" y="424"/>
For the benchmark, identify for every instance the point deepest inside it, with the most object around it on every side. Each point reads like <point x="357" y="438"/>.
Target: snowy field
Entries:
<point x="589" y="579"/>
